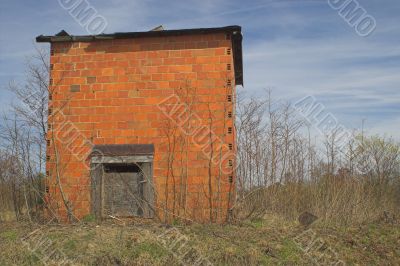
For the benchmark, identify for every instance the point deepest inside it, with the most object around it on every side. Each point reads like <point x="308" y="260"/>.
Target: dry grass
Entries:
<point x="267" y="241"/>
<point x="335" y="201"/>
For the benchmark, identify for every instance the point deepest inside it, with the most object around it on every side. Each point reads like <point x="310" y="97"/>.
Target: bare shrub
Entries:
<point x="281" y="171"/>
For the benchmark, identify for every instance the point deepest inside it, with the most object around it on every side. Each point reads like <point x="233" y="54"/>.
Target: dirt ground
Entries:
<point x="269" y="241"/>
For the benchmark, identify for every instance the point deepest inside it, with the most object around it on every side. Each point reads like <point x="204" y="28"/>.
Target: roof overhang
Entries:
<point x="234" y="31"/>
<point x="122" y="150"/>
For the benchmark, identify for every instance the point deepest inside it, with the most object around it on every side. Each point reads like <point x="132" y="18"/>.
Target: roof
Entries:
<point x="235" y="31"/>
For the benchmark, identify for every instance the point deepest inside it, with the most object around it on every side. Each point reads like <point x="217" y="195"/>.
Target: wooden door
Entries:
<point x="122" y="192"/>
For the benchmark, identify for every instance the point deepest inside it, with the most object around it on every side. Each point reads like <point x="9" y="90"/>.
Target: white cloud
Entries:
<point x="324" y="67"/>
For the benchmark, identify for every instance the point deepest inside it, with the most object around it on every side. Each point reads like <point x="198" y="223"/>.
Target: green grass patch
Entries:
<point x="153" y="249"/>
<point x="90" y="218"/>
<point x="290" y="252"/>
<point x="70" y="245"/>
<point x="10" y="235"/>
<point x="257" y="222"/>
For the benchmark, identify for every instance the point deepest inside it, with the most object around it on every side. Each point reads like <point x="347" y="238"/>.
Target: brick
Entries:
<point x="91" y="80"/>
<point x="107" y="72"/>
<point x="75" y="88"/>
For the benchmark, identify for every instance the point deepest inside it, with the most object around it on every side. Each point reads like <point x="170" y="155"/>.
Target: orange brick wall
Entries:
<point x="111" y="92"/>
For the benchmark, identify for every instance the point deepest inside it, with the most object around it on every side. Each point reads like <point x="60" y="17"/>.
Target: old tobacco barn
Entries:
<point x="141" y="124"/>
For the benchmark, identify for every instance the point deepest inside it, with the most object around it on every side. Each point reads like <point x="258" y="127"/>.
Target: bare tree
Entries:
<point x="24" y="132"/>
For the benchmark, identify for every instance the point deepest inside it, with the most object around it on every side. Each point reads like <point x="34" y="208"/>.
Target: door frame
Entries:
<point x="144" y="162"/>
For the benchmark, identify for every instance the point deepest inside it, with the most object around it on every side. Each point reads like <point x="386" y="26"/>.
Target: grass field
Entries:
<point x="269" y="241"/>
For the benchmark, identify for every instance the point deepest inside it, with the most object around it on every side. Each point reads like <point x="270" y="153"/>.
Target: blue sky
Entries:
<point x="294" y="47"/>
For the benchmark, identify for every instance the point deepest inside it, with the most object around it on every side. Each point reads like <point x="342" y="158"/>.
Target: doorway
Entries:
<point x="122" y="186"/>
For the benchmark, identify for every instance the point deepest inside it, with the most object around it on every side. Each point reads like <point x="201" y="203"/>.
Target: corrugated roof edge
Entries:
<point x="234" y="30"/>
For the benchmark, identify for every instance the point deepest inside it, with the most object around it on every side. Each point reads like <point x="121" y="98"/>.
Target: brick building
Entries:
<point x="142" y="123"/>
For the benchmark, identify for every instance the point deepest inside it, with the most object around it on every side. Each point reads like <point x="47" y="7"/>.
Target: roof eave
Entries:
<point x="123" y="35"/>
